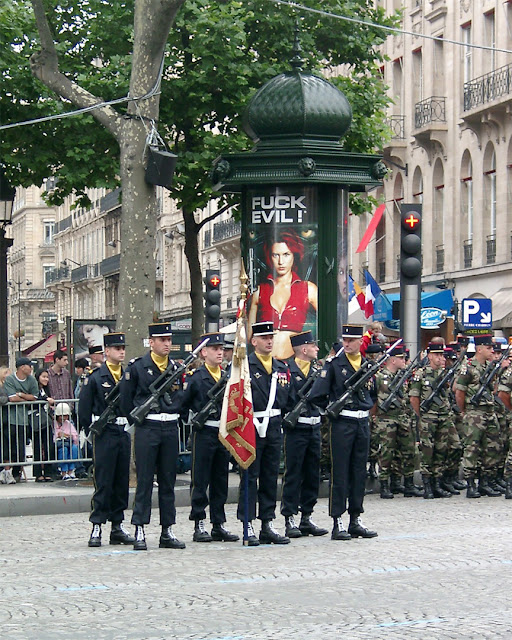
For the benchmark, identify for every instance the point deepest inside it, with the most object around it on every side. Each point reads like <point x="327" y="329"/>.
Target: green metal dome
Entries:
<point x="298" y="104"/>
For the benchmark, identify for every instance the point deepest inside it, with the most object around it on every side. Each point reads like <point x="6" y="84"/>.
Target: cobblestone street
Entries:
<point x="439" y="569"/>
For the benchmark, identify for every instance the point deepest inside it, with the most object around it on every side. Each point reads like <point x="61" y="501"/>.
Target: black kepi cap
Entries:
<point x="435" y="347"/>
<point x="306" y="337"/>
<point x="263" y="329"/>
<point x="160" y="330"/>
<point x="375" y="348"/>
<point x="214" y="339"/>
<point x="116" y="339"/>
<point x="485" y="340"/>
<point x="398" y="351"/>
<point x="352" y="331"/>
<point x="97" y="348"/>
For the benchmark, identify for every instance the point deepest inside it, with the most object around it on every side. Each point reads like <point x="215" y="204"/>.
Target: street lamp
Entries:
<point x="18" y="283"/>
<point x="7" y="194"/>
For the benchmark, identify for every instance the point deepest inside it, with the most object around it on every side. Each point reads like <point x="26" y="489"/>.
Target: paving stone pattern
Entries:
<point x="440" y="569"/>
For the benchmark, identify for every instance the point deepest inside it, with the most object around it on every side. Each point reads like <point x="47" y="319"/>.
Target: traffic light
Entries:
<point x="410" y="244"/>
<point x="212" y="300"/>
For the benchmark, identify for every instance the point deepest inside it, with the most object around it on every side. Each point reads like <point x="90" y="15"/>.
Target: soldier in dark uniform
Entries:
<point x="111" y="449"/>
<point x="302" y="447"/>
<point x="350" y="435"/>
<point x="272" y="396"/>
<point x="156" y="439"/>
<point x="210" y="459"/>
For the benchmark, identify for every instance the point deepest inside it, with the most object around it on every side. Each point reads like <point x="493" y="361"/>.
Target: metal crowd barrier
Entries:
<point x="30" y="426"/>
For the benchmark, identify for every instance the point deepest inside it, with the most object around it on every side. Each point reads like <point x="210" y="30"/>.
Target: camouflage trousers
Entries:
<point x="439" y="445"/>
<point x="482" y="442"/>
<point x="507" y="447"/>
<point x="373" y="453"/>
<point x="504" y="423"/>
<point x="397" y="445"/>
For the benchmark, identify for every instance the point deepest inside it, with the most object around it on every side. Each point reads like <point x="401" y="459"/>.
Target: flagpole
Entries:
<point x="245" y="479"/>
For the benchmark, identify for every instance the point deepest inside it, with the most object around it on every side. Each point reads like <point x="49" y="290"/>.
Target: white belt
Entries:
<point x="163" y="417"/>
<point x="212" y="423"/>
<point x="355" y="414"/>
<point x="313" y="420"/>
<point x="117" y="420"/>
<point x="268" y="413"/>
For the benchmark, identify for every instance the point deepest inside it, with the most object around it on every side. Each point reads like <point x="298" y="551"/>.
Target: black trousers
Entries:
<point x="210" y="467"/>
<point x="111" y="460"/>
<point x="350" y="440"/>
<point x="263" y="474"/>
<point x="156" y="449"/>
<point x="41" y="451"/>
<point x="301" y="479"/>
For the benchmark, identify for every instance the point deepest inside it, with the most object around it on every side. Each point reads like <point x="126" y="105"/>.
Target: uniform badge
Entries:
<point x="257" y="375"/>
<point x="185" y="385"/>
<point x="150" y="371"/>
<point x="298" y="378"/>
<point x="127" y="375"/>
<point x="86" y="381"/>
<point x="323" y="374"/>
<point x="107" y="385"/>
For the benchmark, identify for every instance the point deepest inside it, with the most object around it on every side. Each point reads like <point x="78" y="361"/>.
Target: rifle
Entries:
<point x="292" y="417"/>
<point x="357" y="381"/>
<point x="109" y="414"/>
<point x="442" y="380"/>
<point x="214" y="394"/>
<point x="395" y="388"/>
<point x="162" y="384"/>
<point x="488" y="376"/>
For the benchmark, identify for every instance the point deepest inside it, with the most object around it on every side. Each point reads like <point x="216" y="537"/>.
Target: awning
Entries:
<point x="42" y="348"/>
<point x="502" y="308"/>
<point x="442" y="300"/>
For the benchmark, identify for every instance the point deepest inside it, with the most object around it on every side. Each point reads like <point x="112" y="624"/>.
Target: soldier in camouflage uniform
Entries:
<point x="394" y="428"/>
<point x="373" y="351"/>
<point x="482" y="442"/>
<point x="504" y="395"/>
<point x="435" y="423"/>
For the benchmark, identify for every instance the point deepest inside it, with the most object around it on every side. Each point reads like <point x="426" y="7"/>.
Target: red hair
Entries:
<point x="292" y="241"/>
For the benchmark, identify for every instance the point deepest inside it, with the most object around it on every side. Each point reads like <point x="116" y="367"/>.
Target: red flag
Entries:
<point x="374" y="222"/>
<point x="236" y="430"/>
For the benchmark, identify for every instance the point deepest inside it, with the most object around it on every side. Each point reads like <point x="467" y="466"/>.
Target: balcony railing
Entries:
<point x="439" y="258"/>
<point x="56" y="275"/>
<point x="488" y="87"/>
<point x="85" y="272"/>
<point x="468" y="253"/>
<point x="225" y="230"/>
<point x="397" y="126"/>
<point x="491" y="249"/>
<point x="207" y="238"/>
<point x="110" y="265"/>
<point x="110" y="201"/>
<point x="61" y="225"/>
<point x="430" y="110"/>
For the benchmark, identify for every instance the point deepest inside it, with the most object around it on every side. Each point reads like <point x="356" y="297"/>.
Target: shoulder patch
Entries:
<point x="323" y="373"/>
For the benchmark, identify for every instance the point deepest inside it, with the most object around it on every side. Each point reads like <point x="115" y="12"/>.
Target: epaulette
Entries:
<point x="134" y="360"/>
<point x="89" y="370"/>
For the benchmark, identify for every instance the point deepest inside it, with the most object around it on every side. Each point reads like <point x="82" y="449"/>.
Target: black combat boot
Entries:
<point x="458" y="484"/>
<point x="95" y="539"/>
<point x="493" y="482"/>
<point x="252" y="540"/>
<point x="508" y="491"/>
<point x="427" y="488"/>
<point x="500" y="481"/>
<point x="446" y="484"/>
<point x="118" y="535"/>
<point x="200" y="533"/>
<point x="410" y="489"/>
<point x="472" y="491"/>
<point x="339" y="532"/>
<point x="438" y="491"/>
<point x="169" y="541"/>
<point x="385" y="492"/>
<point x="485" y="488"/>
<point x="140" y="539"/>
<point x="221" y="534"/>
<point x="308" y="527"/>
<point x="291" y="528"/>
<point x="356" y="529"/>
<point x="268" y="535"/>
<point x="395" y="485"/>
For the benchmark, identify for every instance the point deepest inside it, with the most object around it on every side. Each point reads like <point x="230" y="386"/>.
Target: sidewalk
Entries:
<point x="31" y="498"/>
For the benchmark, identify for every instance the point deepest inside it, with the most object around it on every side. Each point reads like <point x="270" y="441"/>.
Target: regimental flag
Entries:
<point x="374" y="223"/>
<point x="356" y="297"/>
<point x="236" y="430"/>
<point x="372" y="292"/>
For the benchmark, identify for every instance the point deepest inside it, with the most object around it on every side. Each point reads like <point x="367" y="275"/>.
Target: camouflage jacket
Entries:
<point x="469" y="381"/>
<point x="422" y="384"/>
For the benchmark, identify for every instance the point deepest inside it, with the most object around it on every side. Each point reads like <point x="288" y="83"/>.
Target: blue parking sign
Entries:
<point x="477" y="313"/>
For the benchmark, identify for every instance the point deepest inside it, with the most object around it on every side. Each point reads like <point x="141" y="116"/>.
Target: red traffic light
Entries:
<point x="411" y="220"/>
<point x="215" y="280"/>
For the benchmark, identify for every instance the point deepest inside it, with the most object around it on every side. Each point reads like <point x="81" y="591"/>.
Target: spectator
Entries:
<point x="42" y="420"/>
<point x="60" y="386"/>
<point x="4" y="399"/>
<point x="96" y="356"/>
<point x="21" y="387"/>
<point x="66" y="438"/>
<point x="81" y="374"/>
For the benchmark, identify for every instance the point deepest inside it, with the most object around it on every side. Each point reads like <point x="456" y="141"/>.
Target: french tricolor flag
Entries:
<point x="372" y="292"/>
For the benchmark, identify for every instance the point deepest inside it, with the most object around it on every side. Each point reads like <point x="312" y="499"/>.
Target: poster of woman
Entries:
<point x="283" y="252"/>
<point x="89" y="333"/>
